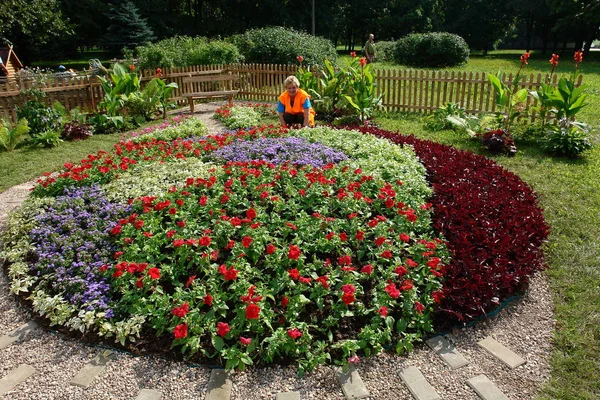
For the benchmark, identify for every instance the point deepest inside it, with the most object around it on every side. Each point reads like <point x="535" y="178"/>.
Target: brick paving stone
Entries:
<point x="288" y="396"/>
<point x="219" y="385"/>
<point x="485" y="388"/>
<point x="352" y="385"/>
<point x="447" y="351"/>
<point x="502" y="353"/>
<point x="147" y="394"/>
<point x="17" y="334"/>
<point x="15" y="378"/>
<point x="92" y="369"/>
<point x="418" y="385"/>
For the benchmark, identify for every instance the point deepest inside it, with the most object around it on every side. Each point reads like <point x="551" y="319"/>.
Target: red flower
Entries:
<point x="383" y="311"/>
<point x="392" y="290"/>
<point x="554" y="60"/>
<point x="292" y="226"/>
<point x="154" y="273"/>
<point x="360" y="235"/>
<point x="525" y="57"/>
<point x="401" y="270"/>
<point x="294" y="252"/>
<point x="323" y="281"/>
<point x="251" y="213"/>
<point x="294" y="333"/>
<point x="224" y="198"/>
<point x="386" y="254"/>
<point x="419" y="307"/>
<point x="300" y="59"/>
<point x="229" y="274"/>
<point x="181" y="224"/>
<point x="305" y="280"/>
<point x="178" y="242"/>
<point x="208" y="299"/>
<point x="116" y="230"/>
<point x="404" y="237"/>
<point x="352" y="54"/>
<point x="271" y="249"/>
<point x="348" y="298"/>
<point x="406" y="285"/>
<point x="294" y="274"/>
<point x="284" y="301"/>
<point x="367" y="269"/>
<point x="181" y="311"/>
<point x="222" y="329"/>
<point x="246" y="241"/>
<point x="131" y="67"/>
<point x="348" y="289"/>
<point x="202" y="200"/>
<point x="411" y="263"/>
<point x="437" y="296"/>
<point x="363" y="61"/>
<point x="379" y="241"/>
<point x="190" y="280"/>
<point x="159" y="73"/>
<point x="245" y="341"/>
<point x="343" y="237"/>
<point x="252" y="311"/>
<point x="180" y="331"/>
<point x="578" y="56"/>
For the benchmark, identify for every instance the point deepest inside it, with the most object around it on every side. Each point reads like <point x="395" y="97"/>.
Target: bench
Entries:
<point x="225" y="77"/>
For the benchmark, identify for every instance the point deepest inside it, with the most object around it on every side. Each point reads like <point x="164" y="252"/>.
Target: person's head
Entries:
<point x="292" y="85"/>
<point x="371" y="37"/>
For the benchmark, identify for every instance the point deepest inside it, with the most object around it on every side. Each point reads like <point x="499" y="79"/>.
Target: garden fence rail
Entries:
<point x="403" y="90"/>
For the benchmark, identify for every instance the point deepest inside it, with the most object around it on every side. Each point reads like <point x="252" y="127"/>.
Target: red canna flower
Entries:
<point x="222" y="329"/>
<point x="363" y="61"/>
<point x="180" y="331"/>
<point x="578" y="56"/>
<point x="300" y="59"/>
<point x="525" y="57"/>
<point x="353" y="54"/>
<point x="294" y="333"/>
<point x="131" y="67"/>
<point x="154" y="273"/>
<point x="252" y="311"/>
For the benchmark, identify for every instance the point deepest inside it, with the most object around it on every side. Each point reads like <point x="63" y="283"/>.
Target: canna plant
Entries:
<point x="362" y="91"/>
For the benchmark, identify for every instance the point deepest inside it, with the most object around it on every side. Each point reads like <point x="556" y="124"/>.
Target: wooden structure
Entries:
<point x="403" y="90"/>
<point x="220" y="84"/>
<point x="10" y="63"/>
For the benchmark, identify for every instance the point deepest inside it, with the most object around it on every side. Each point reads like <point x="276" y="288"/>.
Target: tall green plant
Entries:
<point x="361" y="89"/>
<point x="119" y="84"/>
<point x="10" y="137"/>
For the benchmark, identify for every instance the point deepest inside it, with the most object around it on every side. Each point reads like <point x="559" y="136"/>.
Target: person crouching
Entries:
<point x="294" y="105"/>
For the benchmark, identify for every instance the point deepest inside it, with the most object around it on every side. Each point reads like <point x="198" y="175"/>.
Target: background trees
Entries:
<point x="76" y="25"/>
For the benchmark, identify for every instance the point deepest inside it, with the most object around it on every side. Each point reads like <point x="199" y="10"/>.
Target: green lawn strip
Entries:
<point x="570" y="196"/>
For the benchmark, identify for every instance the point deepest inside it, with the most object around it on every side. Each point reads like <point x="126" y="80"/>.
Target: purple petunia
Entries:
<point x="295" y="150"/>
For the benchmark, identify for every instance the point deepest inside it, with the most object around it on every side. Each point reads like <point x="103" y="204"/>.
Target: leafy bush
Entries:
<point x="238" y="117"/>
<point x="437" y="120"/>
<point x="491" y="221"/>
<point x="39" y="117"/>
<point x="566" y="138"/>
<point x="386" y="51"/>
<point x="48" y="139"/>
<point x="9" y="136"/>
<point x="77" y="131"/>
<point x="278" y="45"/>
<point x="499" y="142"/>
<point x="437" y="49"/>
<point x="182" y="51"/>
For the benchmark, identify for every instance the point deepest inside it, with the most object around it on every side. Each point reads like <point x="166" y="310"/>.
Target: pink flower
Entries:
<point x="355" y="359"/>
<point x="245" y="341"/>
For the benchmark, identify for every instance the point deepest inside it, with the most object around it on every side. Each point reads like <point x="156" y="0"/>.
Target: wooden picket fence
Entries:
<point x="403" y="90"/>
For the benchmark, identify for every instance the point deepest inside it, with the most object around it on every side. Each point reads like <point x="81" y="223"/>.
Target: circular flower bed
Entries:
<point x="312" y="247"/>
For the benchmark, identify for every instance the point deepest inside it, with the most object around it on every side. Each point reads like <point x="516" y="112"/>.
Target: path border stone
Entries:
<point x="352" y="384"/>
<point x="91" y="370"/>
<point x="15" y="378"/>
<point x="288" y="396"/>
<point x="485" y="388"/>
<point x="511" y="359"/>
<point x="17" y="334"/>
<point x="219" y="385"/>
<point x="447" y="351"/>
<point x="418" y="385"/>
<point x="149" y="394"/>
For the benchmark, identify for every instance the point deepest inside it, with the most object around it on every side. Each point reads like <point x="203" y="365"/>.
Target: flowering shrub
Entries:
<point x="280" y="150"/>
<point x="491" y="221"/>
<point x="264" y="109"/>
<point x="238" y="117"/>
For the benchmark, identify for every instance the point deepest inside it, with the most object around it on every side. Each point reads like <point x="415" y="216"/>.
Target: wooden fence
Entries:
<point x="403" y="90"/>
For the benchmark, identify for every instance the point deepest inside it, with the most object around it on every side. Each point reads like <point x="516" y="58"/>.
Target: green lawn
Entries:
<point x="569" y="193"/>
<point x="77" y="63"/>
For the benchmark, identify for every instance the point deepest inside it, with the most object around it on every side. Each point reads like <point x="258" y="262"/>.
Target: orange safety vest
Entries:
<point x="299" y="100"/>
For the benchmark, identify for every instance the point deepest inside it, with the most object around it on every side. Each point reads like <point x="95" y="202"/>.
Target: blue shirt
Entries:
<point x="281" y="107"/>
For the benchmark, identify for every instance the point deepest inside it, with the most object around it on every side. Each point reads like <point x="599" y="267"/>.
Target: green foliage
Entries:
<point x="567" y="138"/>
<point x="104" y="124"/>
<point x="239" y="117"/>
<point x="40" y="118"/>
<point x="509" y="99"/>
<point x="278" y="45"/>
<point x="437" y="49"/>
<point x="182" y="51"/>
<point x="9" y="136"/>
<point x="386" y="51"/>
<point x="50" y="138"/>
<point x="117" y="87"/>
<point x="127" y="28"/>
<point x="437" y="120"/>
<point x="361" y="91"/>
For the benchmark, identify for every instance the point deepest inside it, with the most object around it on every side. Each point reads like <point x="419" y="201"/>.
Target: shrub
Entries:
<point x="278" y="45"/>
<point x="499" y="142"/>
<point x="437" y="49"/>
<point x="182" y="51"/>
<point x="491" y="221"/>
<point x="386" y="51"/>
<point x="39" y="117"/>
<point x="566" y="138"/>
<point x="50" y="138"/>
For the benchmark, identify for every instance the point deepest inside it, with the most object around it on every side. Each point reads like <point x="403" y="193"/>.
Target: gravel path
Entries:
<point x="525" y="326"/>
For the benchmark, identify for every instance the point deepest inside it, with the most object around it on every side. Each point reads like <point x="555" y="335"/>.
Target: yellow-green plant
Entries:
<point x="10" y="137"/>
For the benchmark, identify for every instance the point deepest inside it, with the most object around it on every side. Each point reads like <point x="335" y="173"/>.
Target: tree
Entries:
<point x="127" y="28"/>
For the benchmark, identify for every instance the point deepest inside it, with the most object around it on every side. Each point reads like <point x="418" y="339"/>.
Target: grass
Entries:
<point x="569" y="193"/>
<point x="78" y="63"/>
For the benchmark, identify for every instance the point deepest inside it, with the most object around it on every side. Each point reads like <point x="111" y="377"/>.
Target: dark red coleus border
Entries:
<point x="491" y="220"/>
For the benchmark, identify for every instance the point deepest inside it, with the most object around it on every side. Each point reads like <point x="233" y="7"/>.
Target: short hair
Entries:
<point x="291" y="79"/>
